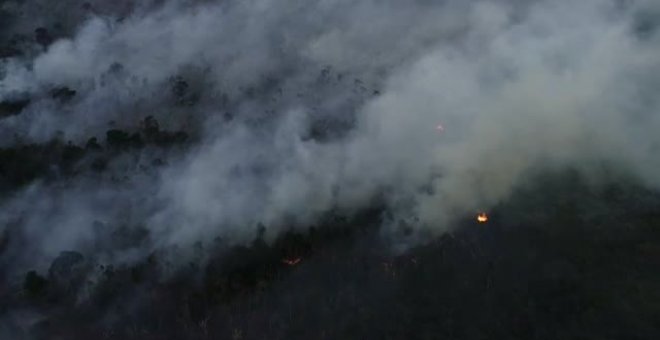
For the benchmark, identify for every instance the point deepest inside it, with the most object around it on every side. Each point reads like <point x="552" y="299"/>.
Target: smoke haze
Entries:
<point x="298" y="108"/>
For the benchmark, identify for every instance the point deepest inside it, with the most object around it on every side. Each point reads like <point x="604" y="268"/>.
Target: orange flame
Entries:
<point x="292" y="262"/>
<point x="482" y="218"/>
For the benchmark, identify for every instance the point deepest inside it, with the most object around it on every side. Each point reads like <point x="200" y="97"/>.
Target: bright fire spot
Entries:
<point x="292" y="262"/>
<point x="482" y="218"/>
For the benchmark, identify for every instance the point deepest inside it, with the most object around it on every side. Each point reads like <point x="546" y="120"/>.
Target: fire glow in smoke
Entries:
<point x="482" y="218"/>
<point x="292" y="261"/>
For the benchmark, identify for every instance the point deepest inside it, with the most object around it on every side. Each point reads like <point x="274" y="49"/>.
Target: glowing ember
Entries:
<point x="482" y="218"/>
<point x="292" y="262"/>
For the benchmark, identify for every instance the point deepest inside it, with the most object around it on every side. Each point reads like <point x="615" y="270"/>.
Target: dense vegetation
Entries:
<point x="565" y="256"/>
<point x="560" y="260"/>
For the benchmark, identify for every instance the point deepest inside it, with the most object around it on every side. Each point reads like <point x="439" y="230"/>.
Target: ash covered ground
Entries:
<point x="261" y="169"/>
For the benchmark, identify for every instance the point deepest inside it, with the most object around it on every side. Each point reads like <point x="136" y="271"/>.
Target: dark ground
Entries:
<point x="560" y="260"/>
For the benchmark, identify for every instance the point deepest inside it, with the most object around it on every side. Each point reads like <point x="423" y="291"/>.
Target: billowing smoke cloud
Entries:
<point x="518" y="88"/>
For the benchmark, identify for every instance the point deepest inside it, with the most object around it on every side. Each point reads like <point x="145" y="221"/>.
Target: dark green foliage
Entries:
<point x="126" y="237"/>
<point x="34" y="284"/>
<point x="63" y="94"/>
<point x="72" y="153"/>
<point x="67" y="272"/>
<point x="182" y="93"/>
<point x="117" y="137"/>
<point x="8" y="51"/>
<point x="122" y="140"/>
<point x="12" y="107"/>
<point x="150" y="127"/>
<point x="179" y="87"/>
<point x="65" y="264"/>
<point x="99" y="165"/>
<point x="21" y="165"/>
<point x="14" y="46"/>
<point x="4" y="241"/>
<point x="168" y="139"/>
<point x="43" y="37"/>
<point x="93" y="144"/>
<point x="150" y="133"/>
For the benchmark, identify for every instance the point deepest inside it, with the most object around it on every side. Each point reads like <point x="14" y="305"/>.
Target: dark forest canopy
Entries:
<point x="184" y="169"/>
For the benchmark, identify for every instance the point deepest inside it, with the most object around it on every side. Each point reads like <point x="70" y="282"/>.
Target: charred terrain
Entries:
<point x="259" y="169"/>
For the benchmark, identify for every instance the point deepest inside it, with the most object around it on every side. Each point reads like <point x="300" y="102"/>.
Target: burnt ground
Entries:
<point x="559" y="260"/>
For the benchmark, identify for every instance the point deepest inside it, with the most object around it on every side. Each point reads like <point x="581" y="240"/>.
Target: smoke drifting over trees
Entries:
<point x="133" y="130"/>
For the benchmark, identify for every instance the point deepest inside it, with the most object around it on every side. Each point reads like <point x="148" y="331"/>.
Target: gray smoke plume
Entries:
<point x="442" y="108"/>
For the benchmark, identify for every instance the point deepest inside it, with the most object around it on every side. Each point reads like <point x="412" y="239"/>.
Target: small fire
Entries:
<point x="292" y="262"/>
<point x="482" y="218"/>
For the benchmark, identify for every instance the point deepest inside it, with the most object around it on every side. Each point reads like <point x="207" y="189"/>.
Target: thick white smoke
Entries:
<point x="517" y="88"/>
